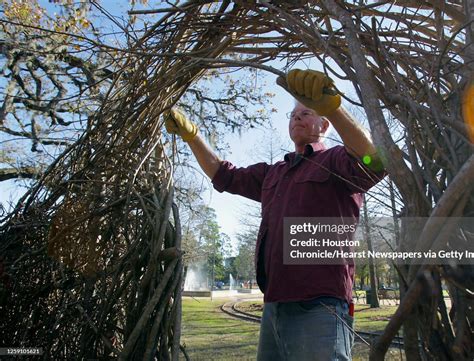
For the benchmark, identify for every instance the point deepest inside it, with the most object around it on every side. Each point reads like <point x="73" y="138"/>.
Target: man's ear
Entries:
<point x="325" y="125"/>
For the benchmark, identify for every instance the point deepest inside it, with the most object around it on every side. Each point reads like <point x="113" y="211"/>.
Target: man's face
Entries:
<point x="305" y="125"/>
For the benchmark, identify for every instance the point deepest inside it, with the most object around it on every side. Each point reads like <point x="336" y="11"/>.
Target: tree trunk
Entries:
<point x="409" y="233"/>
<point x="374" y="297"/>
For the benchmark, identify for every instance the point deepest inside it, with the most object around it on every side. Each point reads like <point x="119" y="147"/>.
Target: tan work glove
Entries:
<point x="177" y="123"/>
<point x="316" y="87"/>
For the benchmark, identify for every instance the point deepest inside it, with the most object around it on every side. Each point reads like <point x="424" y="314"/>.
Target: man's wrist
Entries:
<point x="191" y="138"/>
<point x="191" y="135"/>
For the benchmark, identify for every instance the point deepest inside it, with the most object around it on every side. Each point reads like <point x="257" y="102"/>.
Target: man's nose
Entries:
<point x="297" y="117"/>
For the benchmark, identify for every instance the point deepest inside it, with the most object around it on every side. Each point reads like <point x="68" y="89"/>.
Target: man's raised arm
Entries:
<point x="177" y="123"/>
<point x="355" y="138"/>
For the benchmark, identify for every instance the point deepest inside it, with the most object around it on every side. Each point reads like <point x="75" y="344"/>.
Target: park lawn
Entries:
<point x="372" y="320"/>
<point x="366" y="319"/>
<point x="209" y="334"/>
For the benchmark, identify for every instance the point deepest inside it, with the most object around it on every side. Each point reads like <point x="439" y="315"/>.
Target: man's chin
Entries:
<point x="301" y="141"/>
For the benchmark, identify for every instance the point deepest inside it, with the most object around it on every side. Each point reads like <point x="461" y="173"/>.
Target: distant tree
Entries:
<point x="225" y="250"/>
<point x="230" y="268"/>
<point x="203" y="242"/>
<point x="244" y="262"/>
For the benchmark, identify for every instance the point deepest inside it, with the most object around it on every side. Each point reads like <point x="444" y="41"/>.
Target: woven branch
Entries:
<point x="95" y="233"/>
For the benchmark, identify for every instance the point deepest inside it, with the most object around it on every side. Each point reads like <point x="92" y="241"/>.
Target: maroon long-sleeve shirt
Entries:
<point x="322" y="183"/>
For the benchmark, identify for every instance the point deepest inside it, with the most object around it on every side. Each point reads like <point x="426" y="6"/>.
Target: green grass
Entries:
<point x="372" y="320"/>
<point x="366" y="319"/>
<point x="209" y="334"/>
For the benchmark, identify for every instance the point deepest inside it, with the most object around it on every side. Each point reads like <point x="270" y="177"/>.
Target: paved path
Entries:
<point x="383" y="302"/>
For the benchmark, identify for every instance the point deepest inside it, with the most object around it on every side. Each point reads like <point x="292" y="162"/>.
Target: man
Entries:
<point x="306" y="307"/>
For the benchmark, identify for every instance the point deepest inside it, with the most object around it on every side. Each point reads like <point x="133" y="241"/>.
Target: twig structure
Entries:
<point x="92" y="253"/>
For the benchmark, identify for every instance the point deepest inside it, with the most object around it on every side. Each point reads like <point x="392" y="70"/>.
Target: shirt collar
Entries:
<point x="308" y="150"/>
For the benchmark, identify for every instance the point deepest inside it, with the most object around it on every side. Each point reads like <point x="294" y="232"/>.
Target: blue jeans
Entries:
<point x="316" y="330"/>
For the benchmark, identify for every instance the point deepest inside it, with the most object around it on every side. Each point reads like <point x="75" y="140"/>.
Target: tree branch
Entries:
<point x="22" y="172"/>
